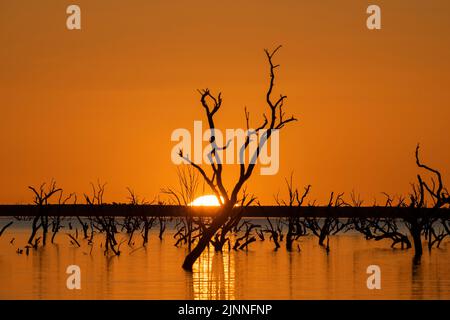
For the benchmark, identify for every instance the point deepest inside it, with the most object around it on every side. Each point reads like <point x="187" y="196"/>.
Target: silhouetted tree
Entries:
<point x="144" y="222"/>
<point x="185" y="194"/>
<point x="275" y="120"/>
<point x="41" y="199"/>
<point x="424" y="222"/>
<point x="242" y="242"/>
<point x="56" y="220"/>
<point x="295" y="224"/>
<point x="383" y="228"/>
<point x="103" y="224"/>
<point x="324" y="227"/>
<point x="275" y="231"/>
<point x="422" y="219"/>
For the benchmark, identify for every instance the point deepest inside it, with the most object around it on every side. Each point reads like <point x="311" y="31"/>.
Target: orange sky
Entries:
<point x="102" y="102"/>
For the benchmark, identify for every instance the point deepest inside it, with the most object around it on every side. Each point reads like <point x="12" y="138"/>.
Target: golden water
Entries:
<point x="155" y="272"/>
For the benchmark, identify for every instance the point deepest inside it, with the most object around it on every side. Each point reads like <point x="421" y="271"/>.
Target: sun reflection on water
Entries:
<point x="213" y="276"/>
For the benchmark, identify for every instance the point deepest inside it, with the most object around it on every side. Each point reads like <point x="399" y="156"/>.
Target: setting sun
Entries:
<point x="208" y="200"/>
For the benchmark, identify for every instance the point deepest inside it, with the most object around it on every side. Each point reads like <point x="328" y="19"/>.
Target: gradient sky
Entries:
<point x="102" y="102"/>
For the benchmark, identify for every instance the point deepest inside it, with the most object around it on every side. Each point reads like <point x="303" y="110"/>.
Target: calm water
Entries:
<point x="261" y="273"/>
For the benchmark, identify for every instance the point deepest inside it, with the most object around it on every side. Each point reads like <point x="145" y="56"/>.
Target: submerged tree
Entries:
<point x="296" y="226"/>
<point x="102" y="223"/>
<point x="42" y="197"/>
<point x="421" y="222"/>
<point x="322" y="228"/>
<point x="188" y="226"/>
<point x="423" y="218"/>
<point x="134" y="223"/>
<point x="275" y="121"/>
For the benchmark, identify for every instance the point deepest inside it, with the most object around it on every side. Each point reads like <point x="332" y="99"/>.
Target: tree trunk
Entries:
<point x="204" y="240"/>
<point x="417" y="242"/>
<point x="416" y="231"/>
<point x="34" y="230"/>
<point x="322" y="237"/>
<point x="218" y="246"/>
<point x="53" y="236"/>
<point x="196" y="252"/>
<point x="324" y="231"/>
<point x="145" y="234"/>
<point x="44" y="220"/>
<point x="289" y="236"/>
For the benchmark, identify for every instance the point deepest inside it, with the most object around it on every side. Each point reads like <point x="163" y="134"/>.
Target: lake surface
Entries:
<point x="155" y="272"/>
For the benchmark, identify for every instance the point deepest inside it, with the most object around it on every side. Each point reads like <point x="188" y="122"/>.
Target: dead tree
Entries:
<point x="56" y="220"/>
<point x="380" y="229"/>
<point x="323" y="228"/>
<point x="103" y="224"/>
<point x="162" y="222"/>
<point x="41" y="199"/>
<point x="247" y="238"/>
<point x="144" y="221"/>
<point x="420" y="220"/>
<point x="295" y="225"/>
<point x="275" y="231"/>
<point x="107" y="225"/>
<point x="275" y="121"/>
<point x="147" y="224"/>
<point x="131" y="224"/>
<point x="84" y="226"/>
<point x="420" y="223"/>
<point x="185" y="194"/>
<point x="383" y="228"/>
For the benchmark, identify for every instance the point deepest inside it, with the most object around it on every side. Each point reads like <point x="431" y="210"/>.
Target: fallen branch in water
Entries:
<point x="73" y="238"/>
<point x="5" y="227"/>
